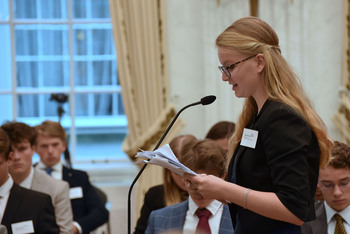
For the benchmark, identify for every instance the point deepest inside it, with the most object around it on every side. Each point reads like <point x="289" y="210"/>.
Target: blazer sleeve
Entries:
<point x="293" y="158"/>
<point x="63" y="208"/>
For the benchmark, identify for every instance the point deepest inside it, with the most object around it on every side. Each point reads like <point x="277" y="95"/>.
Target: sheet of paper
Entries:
<point x="164" y="157"/>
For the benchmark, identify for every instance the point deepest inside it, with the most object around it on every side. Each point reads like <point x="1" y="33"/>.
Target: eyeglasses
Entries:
<point x="330" y="186"/>
<point x="227" y="69"/>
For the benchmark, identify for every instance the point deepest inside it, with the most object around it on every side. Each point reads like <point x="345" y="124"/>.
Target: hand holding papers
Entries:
<point x="165" y="157"/>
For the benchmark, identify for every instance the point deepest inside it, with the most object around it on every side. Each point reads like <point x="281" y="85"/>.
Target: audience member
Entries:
<point x="22" y="210"/>
<point x="196" y="215"/>
<point x="172" y="191"/>
<point x="22" y="138"/>
<point x="333" y="214"/>
<point x="221" y="133"/>
<point x="89" y="211"/>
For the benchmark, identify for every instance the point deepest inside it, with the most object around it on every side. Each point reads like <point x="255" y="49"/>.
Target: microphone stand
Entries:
<point x="156" y="147"/>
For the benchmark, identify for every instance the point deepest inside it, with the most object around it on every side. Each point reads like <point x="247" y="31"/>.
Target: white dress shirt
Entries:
<point x="191" y="221"/>
<point x="4" y="195"/>
<point x="345" y="214"/>
<point x="56" y="169"/>
<point x="27" y="182"/>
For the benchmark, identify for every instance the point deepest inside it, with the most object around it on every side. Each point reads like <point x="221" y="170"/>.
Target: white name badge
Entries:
<point x="75" y="193"/>
<point x="23" y="227"/>
<point x="249" y="138"/>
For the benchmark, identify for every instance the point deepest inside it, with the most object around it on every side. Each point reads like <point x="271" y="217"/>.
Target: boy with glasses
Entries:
<point x="333" y="214"/>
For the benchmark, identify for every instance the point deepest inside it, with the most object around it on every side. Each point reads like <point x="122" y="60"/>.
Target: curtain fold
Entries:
<point x="140" y="40"/>
<point x="342" y="117"/>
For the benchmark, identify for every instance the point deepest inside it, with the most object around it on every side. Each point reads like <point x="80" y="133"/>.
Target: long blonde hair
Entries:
<point x="250" y="36"/>
<point x="172" y="192"/>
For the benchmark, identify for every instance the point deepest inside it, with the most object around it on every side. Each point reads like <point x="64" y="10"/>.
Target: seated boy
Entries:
<point x="196" y="215"/>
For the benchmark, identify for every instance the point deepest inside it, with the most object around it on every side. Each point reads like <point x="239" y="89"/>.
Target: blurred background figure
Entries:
<point x="221" y="133"/>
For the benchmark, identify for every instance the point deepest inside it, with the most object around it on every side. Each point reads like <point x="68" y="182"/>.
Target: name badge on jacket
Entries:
<point x="23" y="227"/>
<point x="76" y="192"/>
<point x="249" y="138"/>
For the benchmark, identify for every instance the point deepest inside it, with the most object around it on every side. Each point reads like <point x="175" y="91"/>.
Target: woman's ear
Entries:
<point x="260" y="62"/>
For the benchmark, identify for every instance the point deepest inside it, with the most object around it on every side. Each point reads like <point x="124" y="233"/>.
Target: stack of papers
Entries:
<point x="164" y="157"/>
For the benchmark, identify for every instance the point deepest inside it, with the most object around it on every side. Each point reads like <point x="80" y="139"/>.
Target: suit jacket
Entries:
<point x="285" y="160"/>
<point x="27" y="205"/>
<point x="319" y="225"/>
<point x="154" y="200"/>
<point x="59" y="193"/>
<point x="172" y="218"/>
<point x="88" y="209"/>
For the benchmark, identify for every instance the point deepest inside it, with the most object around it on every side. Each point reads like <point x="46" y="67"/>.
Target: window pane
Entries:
<point x="5" y="57"/>
<point x="6" y="104"/>
<point x="4" y="10"/>
<point x="27" y="74"/>
<point x="100" y="146"/>
<point x="55" y="73"/>
<point x="25" y="9"/>
<point x="41" y="40"/>
<point x="42" y="74"/>
<point x="105" y="73"/>
<point x="90" y="9"/>
<point x="28" y="106"/>
<point x="80" y="71"/>
<point x="103" y="41"/>
<point x="104" y="104"/>
<point x="97" y="37"/>
<point x="40" y="9"/>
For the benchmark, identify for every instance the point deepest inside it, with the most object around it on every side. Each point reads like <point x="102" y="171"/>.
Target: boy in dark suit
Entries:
<point x="196" y="215"/>
<point x="89" y="211"/>
<point x="333" y="214"/>
<point x="22" y="210"/>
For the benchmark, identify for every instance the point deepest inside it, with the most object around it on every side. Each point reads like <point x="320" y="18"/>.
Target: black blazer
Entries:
<point x="89" y="211"/>
<point x="28" y="205"/>
<point x="285" y="161"/>
<point x="154" y="200"/>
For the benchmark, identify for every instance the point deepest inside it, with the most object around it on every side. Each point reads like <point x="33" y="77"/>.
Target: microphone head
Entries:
<point x="208" y="100"/>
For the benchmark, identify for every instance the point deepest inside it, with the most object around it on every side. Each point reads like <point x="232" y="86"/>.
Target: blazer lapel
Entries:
<point x="13" y="204"/>
<point x="37" y="180"/>
<point x="320" y="226"/>
<point x="225" y="223"/>
<point x="180" y="219"/>
<point x="66" y="174"/>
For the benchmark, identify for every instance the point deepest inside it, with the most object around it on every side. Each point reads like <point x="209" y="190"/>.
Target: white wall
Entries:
<point x="310" y="38"/>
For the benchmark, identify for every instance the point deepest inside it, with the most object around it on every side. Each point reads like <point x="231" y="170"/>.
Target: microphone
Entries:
<point x="204" y="101"/>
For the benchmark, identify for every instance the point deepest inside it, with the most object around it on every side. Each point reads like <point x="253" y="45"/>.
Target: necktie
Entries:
<point x="339" y="226"/>
<point x="203" y="224"/>
<point x="48" y="170"/>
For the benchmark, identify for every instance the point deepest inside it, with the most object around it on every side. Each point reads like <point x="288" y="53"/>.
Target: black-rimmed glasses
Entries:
<point x="227" y="69"/>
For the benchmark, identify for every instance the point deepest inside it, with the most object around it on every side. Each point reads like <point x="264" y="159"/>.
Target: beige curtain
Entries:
<point x="342" y="117"/>
<point x="139" y="31"/>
